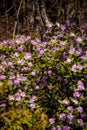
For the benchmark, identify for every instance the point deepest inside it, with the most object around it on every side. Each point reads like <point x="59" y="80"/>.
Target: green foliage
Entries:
<point x="46" y="88"/>
<point x="18" y="118"/>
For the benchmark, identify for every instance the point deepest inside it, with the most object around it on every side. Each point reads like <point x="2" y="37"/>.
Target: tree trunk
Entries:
<point x="41" y="18"/>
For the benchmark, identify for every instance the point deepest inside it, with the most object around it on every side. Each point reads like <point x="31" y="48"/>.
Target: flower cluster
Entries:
<point x="53" y="77"/>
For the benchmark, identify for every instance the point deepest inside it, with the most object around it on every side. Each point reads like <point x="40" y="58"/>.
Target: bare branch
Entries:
<point x="17" y="17"/>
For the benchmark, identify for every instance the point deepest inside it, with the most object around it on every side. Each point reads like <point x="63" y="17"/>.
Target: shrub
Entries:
<point x="52" y="77"/>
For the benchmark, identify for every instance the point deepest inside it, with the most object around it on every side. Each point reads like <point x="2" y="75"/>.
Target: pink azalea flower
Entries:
<point x="80" y="122"/>
<point x="27" y="56"/>
<point x="76" y="94"/>
<point x="74" y="68"/>
<point x="75" y="101"/>
<point x="70" y="108"/>
<point x="62" y="117"/>
<point x="22" y="94"/>
<point x="2" y="77"/>
<point x="32" y="105"/>
<point x="16" y="82"/>
<point x="80" y="109"/>
<point x="52" y="120"/>
<point x="11" y="98"/>
<point x="18" y="98"/>
<point x="79" y="40"/>
<point x="23" y="79"/>
<point x="72" y="34"/>
<point x="72" y="51"/>
<point x="70" y="116"/>
<point x="20" y="49"/>
<point x="68" y="61"/>
<point x="81" y="87"/>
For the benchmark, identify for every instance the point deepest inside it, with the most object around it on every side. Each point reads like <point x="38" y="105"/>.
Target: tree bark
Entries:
<point x="41" y="18"/>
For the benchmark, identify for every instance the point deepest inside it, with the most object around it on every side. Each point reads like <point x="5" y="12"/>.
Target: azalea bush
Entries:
<point x="50" y="79"/>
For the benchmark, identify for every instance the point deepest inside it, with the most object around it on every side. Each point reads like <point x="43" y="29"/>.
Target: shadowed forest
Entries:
<point x="31" y="16"/>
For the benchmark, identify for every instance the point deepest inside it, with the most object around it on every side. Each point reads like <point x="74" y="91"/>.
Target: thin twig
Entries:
<point x="17" y="17"/>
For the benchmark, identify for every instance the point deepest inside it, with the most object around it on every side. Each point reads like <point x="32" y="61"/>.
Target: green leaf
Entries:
<point x="7" y="120"/>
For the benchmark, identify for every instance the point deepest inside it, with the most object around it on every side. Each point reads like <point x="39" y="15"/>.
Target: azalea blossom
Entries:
<point x="27" y="56"/>
<point x="68" y="61"/>
<point x="52" y="120"/>
<point x="79" y="40"/>
<point x="76" y="94"/>
<point x="62" y="116"/>
<point x="72" y="34"/>
<point x="32" y="105"/>
<point x="74" y="68"/>
<point x="70" y="116"/>
<point x="80" y="122"/>
<point x="70" y="108"/>
<point x="80" y="109"/>
<point x="72" y="51"/>
<point x="11" y="98"/>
